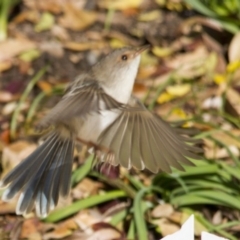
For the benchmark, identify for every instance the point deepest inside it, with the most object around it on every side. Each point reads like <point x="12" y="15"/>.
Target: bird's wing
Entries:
<point x="141" y="139"/>
<point x="80" y="99"/>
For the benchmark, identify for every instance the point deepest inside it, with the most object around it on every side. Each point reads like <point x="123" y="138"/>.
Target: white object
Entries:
<point x="209" y="236"/>
<point x="187" y="232"/>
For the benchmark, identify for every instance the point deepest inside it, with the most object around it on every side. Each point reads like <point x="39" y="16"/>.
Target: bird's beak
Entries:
<point x="139" y="50"/>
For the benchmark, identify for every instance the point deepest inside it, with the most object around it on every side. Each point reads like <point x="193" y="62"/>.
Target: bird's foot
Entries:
<point x="95" y="148"/>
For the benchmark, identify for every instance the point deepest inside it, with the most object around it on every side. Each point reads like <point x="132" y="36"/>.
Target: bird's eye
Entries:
<point x="124" y="57"/>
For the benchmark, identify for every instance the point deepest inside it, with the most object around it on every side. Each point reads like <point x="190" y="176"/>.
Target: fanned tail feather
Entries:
<point x="42" y="177"/>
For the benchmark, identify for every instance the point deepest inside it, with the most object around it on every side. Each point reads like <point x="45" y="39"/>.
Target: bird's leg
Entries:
<point x="98" y="150"/>
<point x="95" y="147"/>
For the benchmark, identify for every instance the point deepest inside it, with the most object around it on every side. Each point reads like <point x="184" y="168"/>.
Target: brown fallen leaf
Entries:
<point x="5" y="65"/>
<point x="44" y="86"/>
<point x="86" y="218"/>
<point x="31" y="16"/>
<point x="31" y="228"/>
<point x="12" y="47"/>
<point x="162" y="210"/>
<point x="104" y="234"/>
<point x="8" y="207"/>
<point x="61" y="230"/>
<point x="191" y="64"/>
<point x="233" y="102"/>
<point x="86" y="188"/>
<point x="146" y="72"/>
<point x="217" y="218"/>
<point x="10" y="107"/>
<point x="189" y="24"/>
<point x="139" y="90"/>
<point x="77" y="46"/>
<point x="234" y="48"/>
<point x="60" y="33"/>
<point x="5" y="137"/>
<point x="219" y="153"/>
<point x="14" y="225"/>
<point x="5" y="96"/>
<point x="15" y="153"/>
<point x="211" y="43"/>
<point x="176" y="217"/>
<point x="118" y="39"/>
<point x="24" y="67"/>
<point x="227" y="139"/>
<point x="54" y="48"/>
<point x="76" y="19"/>
<point x="64" y="202"/>
<point x="166" y="226"/>
<point x="54" y="6"/>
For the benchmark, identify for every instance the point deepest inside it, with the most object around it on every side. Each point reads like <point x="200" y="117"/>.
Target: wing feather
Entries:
<point x="172" y="145"/>
<point x="142" y="139"/>
<point x="135" y="143"/>
<point x="78" y="102"/>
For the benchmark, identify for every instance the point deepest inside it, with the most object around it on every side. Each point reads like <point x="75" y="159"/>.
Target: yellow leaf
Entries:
<point x="233" y="66"/>
<point x="174" y="6"/>
<point x="45" y="86"/>
<point x="148" y="59"/>
<point x="179" y="90"/>
<point x="162" y="52"/>
<point x="180" y="113"/>
<point x="150" y="16"/>
<point x="117" y="43"/>
<point x="165" y="97"/>
<point x="30" y="55"/>
<point x="219" y="78"/>
<point x="119" y="4"/>
<point x="211" y="62"/>
<point x="161" y="2"/>
<point x="173" y="92"/>
<point x="46" y="22"/>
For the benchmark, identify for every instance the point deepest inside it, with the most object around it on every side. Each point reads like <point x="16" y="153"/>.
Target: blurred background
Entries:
<point x="191" y="75"/>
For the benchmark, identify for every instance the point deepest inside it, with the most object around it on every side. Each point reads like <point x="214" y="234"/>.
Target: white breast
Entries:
<point x="95" y="123"/>
<point x="120" y="89"/>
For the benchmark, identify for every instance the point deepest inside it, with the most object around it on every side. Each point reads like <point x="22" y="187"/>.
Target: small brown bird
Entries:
<point x="97" y="109"/>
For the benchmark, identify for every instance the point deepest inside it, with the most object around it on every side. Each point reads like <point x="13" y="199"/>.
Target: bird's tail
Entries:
<point x="42" y="177"/>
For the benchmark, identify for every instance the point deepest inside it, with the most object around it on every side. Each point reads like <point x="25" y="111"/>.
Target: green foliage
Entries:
<point x="60" y="214"/>
<point x="5" y="6"/>
<point x="227" y="13"/>
<point x="209" y="183"/>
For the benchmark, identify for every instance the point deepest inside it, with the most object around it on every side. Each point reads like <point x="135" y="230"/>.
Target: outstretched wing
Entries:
<point x="141" y="139"/>
<point x="80" y="99"/>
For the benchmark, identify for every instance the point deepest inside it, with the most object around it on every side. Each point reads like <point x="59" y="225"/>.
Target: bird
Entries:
<point x="99" y="110"/>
